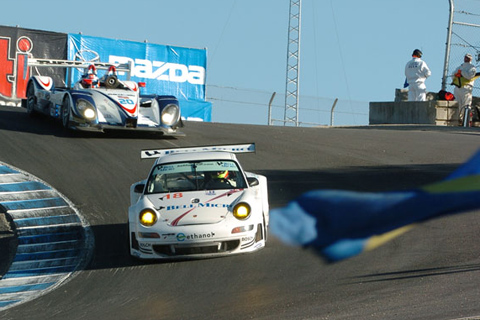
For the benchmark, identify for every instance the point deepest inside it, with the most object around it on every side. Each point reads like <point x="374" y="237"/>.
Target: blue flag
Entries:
<point x="341" y="224"/>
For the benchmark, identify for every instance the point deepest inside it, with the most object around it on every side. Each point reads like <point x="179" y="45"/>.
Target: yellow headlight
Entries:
<point x="148" y="218"/>
<point x="241" y="210"/>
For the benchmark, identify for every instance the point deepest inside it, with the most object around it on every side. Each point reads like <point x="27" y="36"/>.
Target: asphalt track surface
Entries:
<point x="431" y="272"/>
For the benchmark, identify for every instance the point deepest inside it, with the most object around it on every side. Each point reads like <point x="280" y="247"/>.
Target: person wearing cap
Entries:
<point x="463" y="79"/>
<point x="416" y="72"/>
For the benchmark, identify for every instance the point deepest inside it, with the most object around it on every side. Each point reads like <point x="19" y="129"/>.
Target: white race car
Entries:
<point x="197" y="202"/>
<point x="96" y="103"/>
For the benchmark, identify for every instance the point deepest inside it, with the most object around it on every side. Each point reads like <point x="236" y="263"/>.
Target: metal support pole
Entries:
<point x="270" y="109"/>
<point x="331" y="112"/>
<point x="293" y="64"/>
<point x="447" y="50"/>
<point x="467" y="110"/>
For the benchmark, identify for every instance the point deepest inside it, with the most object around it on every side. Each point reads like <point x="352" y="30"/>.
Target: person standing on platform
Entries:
<point x="416" y="72"/>
<point x="463" y="80"/>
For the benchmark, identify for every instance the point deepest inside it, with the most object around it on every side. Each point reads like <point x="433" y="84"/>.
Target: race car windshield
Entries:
<point x="194" y="176"/>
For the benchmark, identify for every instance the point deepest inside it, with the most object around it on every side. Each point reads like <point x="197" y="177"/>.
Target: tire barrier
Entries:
<point x="53" y="239"/>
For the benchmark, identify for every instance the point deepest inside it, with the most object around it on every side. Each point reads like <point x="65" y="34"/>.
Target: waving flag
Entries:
<point x="341" y="224"/>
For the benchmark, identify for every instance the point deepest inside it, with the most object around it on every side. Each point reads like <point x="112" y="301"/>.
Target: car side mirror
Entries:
<point x="252" y="182"/>
<point x="139" y="188"/>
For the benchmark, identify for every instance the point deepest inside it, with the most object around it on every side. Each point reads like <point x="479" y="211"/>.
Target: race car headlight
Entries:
<point x="170" y="114"/>
<point x="148" y="217"/>
<point x="86" y="109"/>
<point x="241" y="211"/>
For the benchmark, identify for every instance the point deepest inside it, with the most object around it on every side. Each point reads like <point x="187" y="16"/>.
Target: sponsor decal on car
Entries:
<point x="197" y="205"/>
<point x="246" y="239"/>
<point x="195" y="236"/>
<point x="166" y="236"/>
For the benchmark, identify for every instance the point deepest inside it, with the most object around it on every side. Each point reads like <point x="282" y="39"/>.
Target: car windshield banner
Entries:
<point x="165" y="70"/>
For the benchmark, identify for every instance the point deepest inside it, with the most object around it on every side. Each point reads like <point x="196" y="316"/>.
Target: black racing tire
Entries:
<point x="31" y="100"/>
<point x="66" y="110"/>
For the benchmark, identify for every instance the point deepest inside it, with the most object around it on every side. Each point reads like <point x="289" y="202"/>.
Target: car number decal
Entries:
<point x="126" y="101"/>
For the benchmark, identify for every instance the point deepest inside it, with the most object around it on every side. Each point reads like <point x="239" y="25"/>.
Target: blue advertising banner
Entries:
<point x="166" y="70"/>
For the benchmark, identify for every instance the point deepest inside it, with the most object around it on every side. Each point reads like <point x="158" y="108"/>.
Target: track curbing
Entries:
<point x="54" y="240"/>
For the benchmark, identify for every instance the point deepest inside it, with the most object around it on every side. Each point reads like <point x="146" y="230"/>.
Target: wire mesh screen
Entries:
<point x="240" y="105"/>
<point x="465" y="39"/>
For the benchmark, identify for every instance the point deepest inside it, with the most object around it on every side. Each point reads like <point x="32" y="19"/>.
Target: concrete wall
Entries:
<point x="432" y="111"/>
<point x="403" y="112"/>
<point x="447" y="113"/>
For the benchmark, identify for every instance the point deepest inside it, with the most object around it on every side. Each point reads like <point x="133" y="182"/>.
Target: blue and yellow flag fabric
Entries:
<point x="341" y="224"/>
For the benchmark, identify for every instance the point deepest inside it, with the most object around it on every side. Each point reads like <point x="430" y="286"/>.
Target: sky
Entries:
<point x="352" y="50"/>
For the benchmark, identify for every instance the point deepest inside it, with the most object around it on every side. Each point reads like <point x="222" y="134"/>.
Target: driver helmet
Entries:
<point x="90" y="78"/>
<point x="220" y="175"/>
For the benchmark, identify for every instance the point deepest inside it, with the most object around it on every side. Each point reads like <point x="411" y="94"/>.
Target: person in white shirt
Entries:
<point x="463" y="79"/>
<point x="416" y="72"/>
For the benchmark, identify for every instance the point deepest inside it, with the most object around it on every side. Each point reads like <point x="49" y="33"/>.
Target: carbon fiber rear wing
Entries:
<point x="234" y="148"/>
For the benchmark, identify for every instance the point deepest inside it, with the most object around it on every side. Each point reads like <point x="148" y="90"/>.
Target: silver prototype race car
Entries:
<point x="197" y="202"/>
<point x="98" y="103"/>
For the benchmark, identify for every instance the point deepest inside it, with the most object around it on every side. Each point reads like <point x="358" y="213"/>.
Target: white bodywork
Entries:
<point x="198" y="223"/>
<point x="99" y="103"/>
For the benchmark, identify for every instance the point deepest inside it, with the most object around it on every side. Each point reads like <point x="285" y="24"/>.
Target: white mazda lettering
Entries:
<point x="165" y="71"/>
<point x="159" y="74"/>
<point x="196" y="75"/>
<point x="142" y="68"/>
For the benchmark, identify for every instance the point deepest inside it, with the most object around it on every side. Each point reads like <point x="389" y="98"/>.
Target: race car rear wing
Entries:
<point x="57" y="63"/>
<point x="235" y="148"/>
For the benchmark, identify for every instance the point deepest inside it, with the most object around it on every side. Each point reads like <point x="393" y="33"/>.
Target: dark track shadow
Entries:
<point x="417" y="273"/>
<point x="287" y="185"/>
<point x="419" y="127"/>
<point x="17" y="119"/>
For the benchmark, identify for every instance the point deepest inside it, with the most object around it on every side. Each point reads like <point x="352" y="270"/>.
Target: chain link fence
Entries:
<point x="240" y="105"/>
<point x="465" y="39"/>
